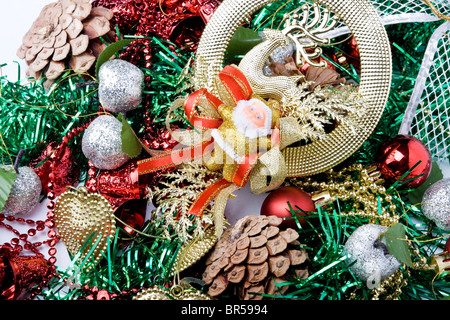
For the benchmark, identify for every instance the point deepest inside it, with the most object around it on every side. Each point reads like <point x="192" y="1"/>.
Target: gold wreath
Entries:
<point x="376" y="72"/>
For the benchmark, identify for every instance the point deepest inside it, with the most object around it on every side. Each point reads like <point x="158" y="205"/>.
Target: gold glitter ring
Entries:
<point x="375" y="80"/>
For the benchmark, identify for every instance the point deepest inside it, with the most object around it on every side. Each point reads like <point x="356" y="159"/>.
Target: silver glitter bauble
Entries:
<point x="120" y="85"/>
<point x="373" y="260"/>
<point x="25" y="192"/>
<point x="102" y="143"/>
<point x="436" y="203"/>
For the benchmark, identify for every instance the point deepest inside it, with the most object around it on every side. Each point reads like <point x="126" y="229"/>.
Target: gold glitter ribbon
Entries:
<point x="271" y="166"/>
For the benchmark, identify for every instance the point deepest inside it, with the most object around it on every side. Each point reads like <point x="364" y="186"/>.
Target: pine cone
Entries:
<point x="65" y="31"/>
<point x="253" y="256"/>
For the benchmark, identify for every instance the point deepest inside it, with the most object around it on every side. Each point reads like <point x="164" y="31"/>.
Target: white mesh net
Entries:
<point x="396" y="7"/>
<point x="428" y="112"/>
<point x="401" y="11"/>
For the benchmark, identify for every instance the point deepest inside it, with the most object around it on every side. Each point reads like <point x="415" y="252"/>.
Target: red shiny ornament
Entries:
<point x="18" y="274"/>
<point x="398" y="155"/>
<point x="351" y="53"/>
<point x="64" y="172"/>
<point x="121" y="184"/>
<point x="447" y="245"/>
<point x="276" y="204"/>
<point x="132" y="214"/>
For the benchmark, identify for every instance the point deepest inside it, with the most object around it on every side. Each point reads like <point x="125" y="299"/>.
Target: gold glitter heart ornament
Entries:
<point x="194" y="250"/>
<point x="85" y="221"/>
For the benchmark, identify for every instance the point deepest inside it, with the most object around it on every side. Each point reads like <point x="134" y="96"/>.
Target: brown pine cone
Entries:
<point x="65" y="31"/>
<point x="253" y="256"/>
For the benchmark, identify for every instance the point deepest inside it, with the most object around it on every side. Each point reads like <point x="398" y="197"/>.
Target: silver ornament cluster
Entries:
<point x="436" y="203"/>
<point x="102" y="143"/>
<point x="371" y="259"/>
<point x="25" y="192"/>
<point x="120" y="85"/>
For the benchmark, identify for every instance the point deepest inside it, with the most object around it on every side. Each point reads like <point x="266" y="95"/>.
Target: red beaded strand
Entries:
<point x="39" y="226"/>
<point x="51" y="196"/>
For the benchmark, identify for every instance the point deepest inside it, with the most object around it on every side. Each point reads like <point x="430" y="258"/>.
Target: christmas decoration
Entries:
<point x="118" y="185"/>
<point x="25" y="192"/>
<point x="178" y="292"/>
<point x="279" y="200"/>
<point x="254" y="256"/>
<point x="146" y="18"/>
<point x="102" y="143"/>
<point x="441" y="264"/>
<point x="429" y="100"/>
<point x="321" y="154"/>
<point x="52" y="115"/>
<point x="334" y="95"/>
<point x="19" y="274"/>
<point x="131" y="215"/>
<point x="435" y="204"/>
<point x="370" y="258"/>
<point x="120" y="87"/>
<point x="192" y="251"/>
<point x="360" y="191"/>
<point x="66" y="171"/>
<point x="78" y="215"/>
<point x="237" y="155"/>
<point x="174" y="196"/>
<point x="404" y="155"/>
<point x="65" y="31"/>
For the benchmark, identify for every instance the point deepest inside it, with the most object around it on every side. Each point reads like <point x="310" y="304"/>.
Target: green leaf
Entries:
<point x="130" y="143"/>
<point x="109" y="52"/>
<point x="7" y="178"/>
<point x="395" y="239"/>
<point x="243" y="40"/>
<point x="416" y="195"/>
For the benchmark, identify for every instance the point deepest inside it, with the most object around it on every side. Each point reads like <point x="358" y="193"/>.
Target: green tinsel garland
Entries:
<point x="32" y="116"/>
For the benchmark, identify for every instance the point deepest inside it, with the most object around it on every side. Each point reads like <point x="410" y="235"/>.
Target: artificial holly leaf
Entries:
<point x="416" y="195"/>
<point x="243" y="40"/>
<point x="130" y="143"/>
<point x="109" y="52"/>
<point x="396" y="243"/>
<point x="7" y="178"/>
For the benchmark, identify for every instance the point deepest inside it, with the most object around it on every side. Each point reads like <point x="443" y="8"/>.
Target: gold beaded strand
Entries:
<point x="361" y="185"/>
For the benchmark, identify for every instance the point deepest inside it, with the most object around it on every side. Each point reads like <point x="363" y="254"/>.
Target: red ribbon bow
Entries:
<point x="235" y="86"/>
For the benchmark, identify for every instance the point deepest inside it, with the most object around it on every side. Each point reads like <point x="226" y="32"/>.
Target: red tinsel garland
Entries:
<point x="180" y="21"/>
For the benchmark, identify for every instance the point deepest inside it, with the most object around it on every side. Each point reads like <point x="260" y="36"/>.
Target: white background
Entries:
<point x="16" y="17"/>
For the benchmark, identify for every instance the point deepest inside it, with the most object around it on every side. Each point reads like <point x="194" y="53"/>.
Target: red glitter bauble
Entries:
<point x="398" y="155"/>
<point x="64" y="168"/>
<point x="276" y="204"/>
